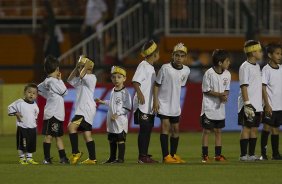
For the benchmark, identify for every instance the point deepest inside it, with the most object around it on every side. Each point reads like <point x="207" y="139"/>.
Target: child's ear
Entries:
<point x="269" y="55"/>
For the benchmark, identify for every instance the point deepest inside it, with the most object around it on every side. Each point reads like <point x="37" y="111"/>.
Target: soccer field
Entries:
<point x="193" y="171"/>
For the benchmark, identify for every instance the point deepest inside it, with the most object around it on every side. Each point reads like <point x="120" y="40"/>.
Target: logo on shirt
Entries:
<point x="182" y="78"/>
<point x="225" y="81"/>
<point x="118" y="100"/>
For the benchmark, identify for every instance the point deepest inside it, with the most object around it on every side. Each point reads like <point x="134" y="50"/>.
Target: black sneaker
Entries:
<point x="64" y="160"/>
<point x="118" y="161"/>
<point x="277" y="157"/>
<point x="110" y="161"/>
<point x="47" y="161"/>
<point x="263" y="157"/>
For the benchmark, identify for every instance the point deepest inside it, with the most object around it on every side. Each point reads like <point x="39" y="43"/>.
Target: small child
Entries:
<point x="26" y="112"/>
<point x="272" y="97"/>
<point x="117" y="121"/>
<point x="53" y="90"/>
<point x="250" y="100"/>
<point x="215" y="87"/>
<point x="84" y="81"/>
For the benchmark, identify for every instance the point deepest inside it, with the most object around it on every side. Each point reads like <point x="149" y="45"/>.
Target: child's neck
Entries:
<point x="119" y="87"/>
<point x="150" y="61"/>
<point x="54" y="75"/>
<point x="218" y="69"/>
<point x="273" y="64"/>
<point x="252" y="60"/>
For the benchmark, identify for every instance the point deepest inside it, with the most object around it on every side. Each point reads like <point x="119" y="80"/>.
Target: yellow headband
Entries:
<point x="83" y="59"/>
<point x="252" y="48"/>
<point x="180" y="47"/>
<point x="117" y="69"/>
<point x="150" y="50"/>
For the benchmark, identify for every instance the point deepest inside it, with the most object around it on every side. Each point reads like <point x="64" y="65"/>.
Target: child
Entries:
<point x="26" y="111"/>
<point x="53" y="89"/>
<point x="143" y="81"/>
<point x="250" y="100"/>
<point x="85" y="108"/>
<point x="171" y="77"/>
<point x="215" y="87"/>
<point x="272" y="97"/>
<point x="117" y="122"/>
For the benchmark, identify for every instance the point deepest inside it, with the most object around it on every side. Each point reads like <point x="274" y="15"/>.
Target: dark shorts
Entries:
<point x="275" y="120"/>
<point x="243" y="120"/>
<point x="82" y="124"/>
<point x="140" y="117"/>
<point x="121" y="137"/>
<point x="172" y="119"/>
<point x="207" y="123"/>
<point x="53" y="127"/>
<point x="26" y="139"/>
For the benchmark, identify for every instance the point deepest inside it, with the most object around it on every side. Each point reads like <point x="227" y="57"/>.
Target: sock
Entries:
<point x="164" y="144"/>
<point x="252" y="146"/>
<point x="91" y="150"/>
<point x="28" y="156"/>
<point x="205" y="150"/>
<point x="21" y="154"/>
<point x="275" y="144"/>
<point x="74" y="142"/>
<point x="217" y="150"/>
<point x="144" y="138"/>
<point x="173" y="145"/>
<point x="121" y="151"/>
<point x="113" y="150"/>
<point x="46" y="150"/>
<point x="244" y="146"/>
<point x="62" y="153"/>
<point x="263" y="141"/>
<point x="148" y="138"/>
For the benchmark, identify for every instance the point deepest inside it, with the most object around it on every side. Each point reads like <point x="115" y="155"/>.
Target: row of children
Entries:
<point x="155" y="94"/>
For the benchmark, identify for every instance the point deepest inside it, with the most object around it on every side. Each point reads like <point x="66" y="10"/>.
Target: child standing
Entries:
<point x="272" y="97"/>
<point x="171" y="77"/>
<point x="143" y="81"/>
<point x="53" y="89"/>
<point x="26" y="112"/>
<point x="215" y="87"/>
<point x="250" y="100"/>
<point x="117" y="121"/>
<point x="84" y="81"/>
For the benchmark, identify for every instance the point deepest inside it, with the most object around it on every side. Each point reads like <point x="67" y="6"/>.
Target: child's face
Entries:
<point x="225" y="64"/>
<point x="276" y="56"/>
<point x="30" y="94"/>
<point x="156" y="56"/>
<point x="118" y="79"/>
<point x="179" y="57"/>
<point x="258" y="55"/>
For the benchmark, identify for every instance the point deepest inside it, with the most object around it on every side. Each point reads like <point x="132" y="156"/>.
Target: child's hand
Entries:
<point x="268" y="110"/>
<point x="19" y="116"/>
<point x="223" y="97"/>
<point x="156" y="106"/>
<point x="98" y="100"/>
<point x="114" y="117"/>
<point x="141" y="99"/>
<point x="59" y="76"/>
<point x="89" y="65"/>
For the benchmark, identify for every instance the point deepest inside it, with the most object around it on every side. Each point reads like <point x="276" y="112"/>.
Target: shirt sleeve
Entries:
<point x="139" y="75"/>
<point x="228" y="82"/>
<point x="206" y="84"/>
<point x="58" y="86"/>
<point x="42" y="90"/>
<point x="244" y="76"/>
<point x="74" y="82"/>
<point x="160" y="76"/>
<point x="265" y="76"/>
<point x="90" y="80"/>
<point x="12" y="108"/>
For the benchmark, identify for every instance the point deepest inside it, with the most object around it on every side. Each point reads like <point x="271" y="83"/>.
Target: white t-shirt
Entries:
<point x="211" y="105"/>
<point x="53" y="90"/>
<point x="171" y="81"/>
<point x="120" y="104"/>
<point x="29" y="112"/>
<point x="94" y="11"/>
<point x="250" y="74"/>
<point x="272" y="77"/>
<point x="145" y="75"/>
<point x="85" y="104"/>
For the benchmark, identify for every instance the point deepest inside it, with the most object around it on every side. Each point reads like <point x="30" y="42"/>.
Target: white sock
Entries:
<point x="28" y="156"/>
<point x="21" y="154"/>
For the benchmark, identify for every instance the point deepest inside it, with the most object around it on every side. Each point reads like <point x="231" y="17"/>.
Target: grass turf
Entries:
<point x="189" y="149"/>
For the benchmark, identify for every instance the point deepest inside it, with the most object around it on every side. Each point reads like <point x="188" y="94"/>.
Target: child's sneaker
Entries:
<point x="74" y="158"/>
<point x="170" y="160"/>
<point x="176" y="157"/>
<point x="146" y="159"/>
<point x="64" y="160"/>
<point x="31" y="161"/>
<point x="88" y="162"/>
<point x="109" y="161"/>
<point x="253" y="158"/>
<point x="22" y="161"/>
<point x="263" y="157"/>
<point x="47" y="161"/>
<point x="220" y="158"/>
<point x="118" y="161"/>
<point x="277" y="157"/>
<point x="244" y="158"/>
<point x="205" y="159"/>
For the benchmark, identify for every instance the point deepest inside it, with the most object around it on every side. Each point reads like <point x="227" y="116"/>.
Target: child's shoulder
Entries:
<point x="18" y="101"/>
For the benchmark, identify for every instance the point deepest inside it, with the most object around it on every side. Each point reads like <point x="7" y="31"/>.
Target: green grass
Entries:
<point x="189" y="149"/>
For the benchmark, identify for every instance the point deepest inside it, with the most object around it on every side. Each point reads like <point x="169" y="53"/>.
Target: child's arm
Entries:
<point x="140" y="96"/>
<point x="104" y="102"/>
<point x="42" y="90"/>
<point x="248" y="107"/>
<point x="222" y="96"/>
<point x="87" y="66"/>
<point x="156" y="105"/>
<point x="13" y="111"/>
<point x="268" y="109"/>
<point x="58" y="87"/>
<point x="74" y="73"/>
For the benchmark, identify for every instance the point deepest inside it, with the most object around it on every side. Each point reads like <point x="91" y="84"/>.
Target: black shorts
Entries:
<point x="140" y="117"/>
<point x="82" y="124"/>
<point x="26" y="139"/>
<point x="275" y="120"/>
<point x="243" y="120"/>
<point x="172" y="119"/>
<point x="53" y="127"/>
<point x="207" y="123"/>
<point x="112" y="137"/>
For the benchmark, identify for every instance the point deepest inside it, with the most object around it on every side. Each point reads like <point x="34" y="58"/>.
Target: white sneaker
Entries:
<point x="253" y="158"/>
<point x="244" y="158"/>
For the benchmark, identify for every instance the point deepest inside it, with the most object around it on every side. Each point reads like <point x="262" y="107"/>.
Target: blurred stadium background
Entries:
<point x="32" y="29"/>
